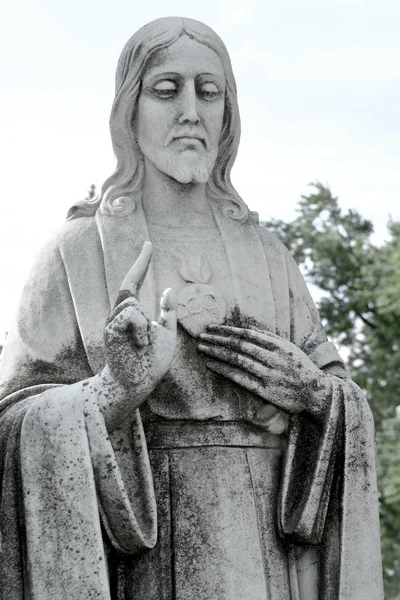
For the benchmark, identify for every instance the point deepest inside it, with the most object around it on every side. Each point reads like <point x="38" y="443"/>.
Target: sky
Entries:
<point x="319" y="94"/>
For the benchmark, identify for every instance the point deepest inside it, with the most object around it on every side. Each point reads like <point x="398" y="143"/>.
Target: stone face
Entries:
<point x="174" y="424"/>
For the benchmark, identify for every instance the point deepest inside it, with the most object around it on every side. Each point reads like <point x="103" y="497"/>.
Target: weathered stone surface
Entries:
<point x="174" y="424"/>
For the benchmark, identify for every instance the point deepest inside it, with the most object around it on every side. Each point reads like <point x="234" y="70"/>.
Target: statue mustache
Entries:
<point x="196" y="133"/>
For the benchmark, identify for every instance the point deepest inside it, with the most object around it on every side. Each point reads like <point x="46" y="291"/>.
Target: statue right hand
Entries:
<point x="138" y="351"/>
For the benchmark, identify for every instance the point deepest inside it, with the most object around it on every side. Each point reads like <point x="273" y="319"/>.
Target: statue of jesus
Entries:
<point x="174" y="423"/>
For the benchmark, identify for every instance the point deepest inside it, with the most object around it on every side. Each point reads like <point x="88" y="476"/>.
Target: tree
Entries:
<point x="360" y="309"/>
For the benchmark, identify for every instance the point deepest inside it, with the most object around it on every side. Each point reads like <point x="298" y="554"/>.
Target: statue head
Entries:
<point x="180" y="112"/>
<point x="121" y="192"/>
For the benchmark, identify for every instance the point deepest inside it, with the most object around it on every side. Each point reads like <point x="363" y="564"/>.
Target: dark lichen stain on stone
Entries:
<point x="238" y="319"/>
<point x="68" y="366"/>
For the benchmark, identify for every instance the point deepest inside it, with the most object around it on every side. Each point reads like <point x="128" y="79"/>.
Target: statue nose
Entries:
<point x="189" y="112"/>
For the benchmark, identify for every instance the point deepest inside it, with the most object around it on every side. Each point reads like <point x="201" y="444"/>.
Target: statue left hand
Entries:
<point x="267" y="365"/>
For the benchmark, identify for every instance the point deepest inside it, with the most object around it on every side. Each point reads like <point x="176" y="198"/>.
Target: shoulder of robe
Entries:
<point x="48" y="270"/>
<point x="272" y="244"/>
<point x="66" y="282"/>
<point x="72" y="248"/>
<point x="281" y="261"/>
<point x="277" y="250"/>
<point x="75" y="234"/>
<point x="45" y="323"/>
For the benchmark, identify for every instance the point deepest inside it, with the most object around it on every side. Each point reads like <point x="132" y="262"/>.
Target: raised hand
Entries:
<point x="267" y="365"/>
<point x="138" y="351"/>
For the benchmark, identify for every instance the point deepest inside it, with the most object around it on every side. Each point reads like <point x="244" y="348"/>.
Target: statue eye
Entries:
<point x="208" y="90"/>
<point x="165" y="88"/>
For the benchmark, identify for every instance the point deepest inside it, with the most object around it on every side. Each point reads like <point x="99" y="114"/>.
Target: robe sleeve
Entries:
<point x="64" y="479"/>
<point x="328" y="495"/>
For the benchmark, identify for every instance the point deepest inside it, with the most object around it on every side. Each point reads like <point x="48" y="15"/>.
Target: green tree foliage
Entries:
<point x="360" y="309"/>
<point x="388" y="438"/>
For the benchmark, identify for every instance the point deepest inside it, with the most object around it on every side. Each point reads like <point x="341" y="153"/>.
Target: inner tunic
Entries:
<point x="190" y="391"/>
<point x="216" y="502"/>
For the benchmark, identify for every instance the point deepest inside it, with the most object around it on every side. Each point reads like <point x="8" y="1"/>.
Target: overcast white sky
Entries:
<point x="319" y="91"/>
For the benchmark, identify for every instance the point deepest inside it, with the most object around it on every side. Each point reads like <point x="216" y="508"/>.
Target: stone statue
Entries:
<point x="204" y="443"/>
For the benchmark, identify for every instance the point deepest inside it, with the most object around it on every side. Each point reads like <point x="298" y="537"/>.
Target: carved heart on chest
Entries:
<point x="199" y="302"/>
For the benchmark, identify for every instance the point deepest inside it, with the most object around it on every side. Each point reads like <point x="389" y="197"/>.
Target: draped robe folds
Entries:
<point x="70" y="491"/>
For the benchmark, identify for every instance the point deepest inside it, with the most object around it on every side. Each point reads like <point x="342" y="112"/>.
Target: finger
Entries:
<point x="168" y="305"/>
<point x="279" y="345"/>
<point x="265" y="332"/>
<point x="131" y="323"/>
<point x="239" y="345"/>
<point x="245" y="380"/>
<point x="236" y="359"/>
<point x="224" y="329"/>
<point x="130" y="301"/>
<point x="251" y="335"/>
<point x="253" y="385"/>
<point x="134" y="278"/>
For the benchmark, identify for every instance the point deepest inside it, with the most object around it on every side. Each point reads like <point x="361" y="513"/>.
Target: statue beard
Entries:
<point x="196" y="168"/>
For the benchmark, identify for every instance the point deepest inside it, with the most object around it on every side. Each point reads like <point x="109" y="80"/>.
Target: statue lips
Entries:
<point x="189" y="137"/>
<point x="190" y="143"/>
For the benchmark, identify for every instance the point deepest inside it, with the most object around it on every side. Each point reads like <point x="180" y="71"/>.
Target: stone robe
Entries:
<point x="171" y="506"/>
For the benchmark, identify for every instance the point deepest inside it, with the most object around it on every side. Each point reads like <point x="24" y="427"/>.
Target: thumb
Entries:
<point x="168" y="305"/>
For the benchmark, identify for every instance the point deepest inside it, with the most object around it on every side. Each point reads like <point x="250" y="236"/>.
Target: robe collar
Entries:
<point x="122" y="239"/>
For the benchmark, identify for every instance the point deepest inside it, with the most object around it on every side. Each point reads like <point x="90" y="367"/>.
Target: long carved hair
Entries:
<point x="121" y="192"/>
